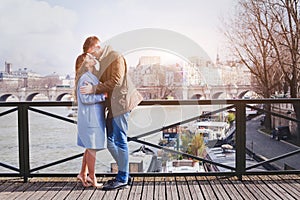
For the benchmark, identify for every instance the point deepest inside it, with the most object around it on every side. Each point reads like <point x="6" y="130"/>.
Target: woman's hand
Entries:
<point x="87" y="88"/>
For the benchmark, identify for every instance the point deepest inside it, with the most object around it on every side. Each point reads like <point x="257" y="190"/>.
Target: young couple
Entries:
<point x="98" y="90"/>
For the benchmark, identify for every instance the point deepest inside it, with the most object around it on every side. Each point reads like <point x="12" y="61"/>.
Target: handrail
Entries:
<point x="22" y="109"/>
<point x="52" y="115"/>
<point x="274" y="114"/>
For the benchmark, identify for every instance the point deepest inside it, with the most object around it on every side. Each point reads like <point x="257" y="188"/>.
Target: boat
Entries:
<point x="183" y="166"/>
<point x="212" y="130"/>
<point x="215" y="133"/>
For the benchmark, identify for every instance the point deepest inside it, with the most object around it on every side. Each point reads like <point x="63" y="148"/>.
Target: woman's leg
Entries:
<point x="91" y="160"/>
<point x="84" y="168"/>
<point x="82" y="176"/>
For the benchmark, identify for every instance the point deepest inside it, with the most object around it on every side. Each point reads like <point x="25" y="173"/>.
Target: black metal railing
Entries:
<point x="239" y="170"/>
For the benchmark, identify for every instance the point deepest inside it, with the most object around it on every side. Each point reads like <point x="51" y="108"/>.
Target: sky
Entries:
<point x="46" y="36"/>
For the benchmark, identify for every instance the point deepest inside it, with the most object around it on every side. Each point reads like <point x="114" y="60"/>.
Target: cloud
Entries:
<point x="35" y="35"/>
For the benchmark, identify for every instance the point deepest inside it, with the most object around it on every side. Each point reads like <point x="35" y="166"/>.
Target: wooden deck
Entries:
<point x="252" y="187"/>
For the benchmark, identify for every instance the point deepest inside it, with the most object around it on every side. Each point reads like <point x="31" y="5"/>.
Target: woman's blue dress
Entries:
<point x="91" y="116"/>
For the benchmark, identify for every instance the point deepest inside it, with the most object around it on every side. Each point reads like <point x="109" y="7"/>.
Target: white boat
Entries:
<point x="212" y="130"/>
<point x="180" y="166"/>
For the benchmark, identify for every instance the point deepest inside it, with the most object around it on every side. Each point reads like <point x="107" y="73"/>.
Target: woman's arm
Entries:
<point x="89" y="98"/>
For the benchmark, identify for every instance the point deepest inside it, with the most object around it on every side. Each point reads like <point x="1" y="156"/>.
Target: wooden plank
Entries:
<point x="229" y="189"/>
<point x="64" y="192"/>
<point x="160" y="188"/>
<point x="251" y="187"/>
<point x="195" y="189"/>
<point x="98" y="194"/>
<point x="136" y="192"/>
<point x="207" y="190"/>
<point x="9" y="188"/>
<point x="110" y="194"/>
<point x="55" y="189"/>
<point x="75" y="191"/>
<point x="291" y="184"/>
<point x="124" y="194"/>
<point x="30" y="190"/>
<point x="156" y="189"/>
<point x="183" y="190"/>
<point x="145" y="189"/>
<point x="18" y="189"/>
<point x="254" y="188"/>
<point x="5" y="184"/>
<point x="219" y="189"/>
<point x="148" y="189"/>
<point x="263" y="187"/>
<point x="242" y="189"/>
<point x="276" y="187"/>
<point x="40" y="192"/>
<point x="88" y="192"/>
<point x="133" y="188"/>
<point x="171" y="189"/>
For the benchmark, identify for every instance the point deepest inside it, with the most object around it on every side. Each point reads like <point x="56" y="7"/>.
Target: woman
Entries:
<point x="91" y="120"/>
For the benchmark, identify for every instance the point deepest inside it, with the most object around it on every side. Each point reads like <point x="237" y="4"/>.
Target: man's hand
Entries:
<point x="87" y="88"/>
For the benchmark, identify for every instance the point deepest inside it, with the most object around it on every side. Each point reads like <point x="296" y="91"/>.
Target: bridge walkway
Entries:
<point x="183" y="187"/>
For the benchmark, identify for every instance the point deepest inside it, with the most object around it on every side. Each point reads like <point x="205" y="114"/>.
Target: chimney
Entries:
<point x="8" y="67"/>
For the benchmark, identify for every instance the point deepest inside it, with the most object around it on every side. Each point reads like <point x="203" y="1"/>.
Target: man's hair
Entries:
<point x="90" y="41"/>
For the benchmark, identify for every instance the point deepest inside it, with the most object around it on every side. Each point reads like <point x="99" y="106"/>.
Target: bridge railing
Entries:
<point x="238" y="168"/>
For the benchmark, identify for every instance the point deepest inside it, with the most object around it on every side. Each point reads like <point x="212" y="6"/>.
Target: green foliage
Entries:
<point x="231" y="117"/>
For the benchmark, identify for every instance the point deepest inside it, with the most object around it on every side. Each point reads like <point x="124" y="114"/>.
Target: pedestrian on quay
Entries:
<point x="91" y="119"/>
<point x="122" y="98"/>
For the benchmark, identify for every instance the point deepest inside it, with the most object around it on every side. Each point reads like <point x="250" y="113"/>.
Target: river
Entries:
<point x="52" y="139"/>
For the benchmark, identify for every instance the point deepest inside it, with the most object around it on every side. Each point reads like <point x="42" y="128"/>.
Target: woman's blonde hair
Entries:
<point x="80" y="70"/>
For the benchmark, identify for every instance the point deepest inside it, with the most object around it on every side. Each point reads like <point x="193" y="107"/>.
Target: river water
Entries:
<point x="52" y="139"/>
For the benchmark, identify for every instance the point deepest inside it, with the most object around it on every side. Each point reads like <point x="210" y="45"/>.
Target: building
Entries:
<point x="23" y="78"/>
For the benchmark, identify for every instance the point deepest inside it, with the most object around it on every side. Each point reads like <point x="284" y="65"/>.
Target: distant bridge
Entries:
<point x="30" y="94"/>
<point x="219" y="91"/>
<point x="197" y="92"/>
<point x="191" y="92"/>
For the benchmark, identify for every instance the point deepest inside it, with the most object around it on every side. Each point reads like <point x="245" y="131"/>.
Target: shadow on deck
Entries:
<point x="183" y="187"/>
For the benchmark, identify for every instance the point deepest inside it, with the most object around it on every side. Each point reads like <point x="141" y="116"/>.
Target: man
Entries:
<point x="122" y="98"/>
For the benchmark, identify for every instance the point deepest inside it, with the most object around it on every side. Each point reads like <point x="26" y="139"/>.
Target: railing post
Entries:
<point x="23" y="141"/>
<point x="240" y="156"/>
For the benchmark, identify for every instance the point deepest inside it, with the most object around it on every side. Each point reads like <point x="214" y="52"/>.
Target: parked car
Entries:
<point x="281" y="132"/>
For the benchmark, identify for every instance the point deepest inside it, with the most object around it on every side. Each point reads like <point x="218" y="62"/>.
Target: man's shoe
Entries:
<point x="114" y="184"/>
<point x="128" y="182"/>
<point x="110" y="181"/>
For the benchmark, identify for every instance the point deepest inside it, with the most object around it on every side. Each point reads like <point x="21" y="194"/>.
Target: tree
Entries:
<point x="185" y="140"/>
<point x="197" y="145"/>
<point x="265" y="36"/>
<point x="249" y="41"/>
<point x="286" y="41"/>
<point x="231" y="118"/>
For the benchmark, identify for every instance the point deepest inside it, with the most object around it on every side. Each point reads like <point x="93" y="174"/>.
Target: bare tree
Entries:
<point x="265" y="36"/>
<point x="285" y="39"/>
<point x="249" y="40"/>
